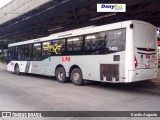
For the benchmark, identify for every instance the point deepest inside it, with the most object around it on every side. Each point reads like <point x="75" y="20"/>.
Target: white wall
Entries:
<point x="18" y="6"/>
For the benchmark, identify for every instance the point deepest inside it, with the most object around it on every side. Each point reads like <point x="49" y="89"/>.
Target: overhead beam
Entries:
<point x="75" y="16"/>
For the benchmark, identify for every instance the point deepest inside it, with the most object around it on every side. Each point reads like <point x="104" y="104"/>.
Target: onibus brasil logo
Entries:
<point x="21" y="114"/>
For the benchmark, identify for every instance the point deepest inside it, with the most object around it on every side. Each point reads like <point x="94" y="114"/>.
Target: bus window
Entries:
<point x="37" y="51"/>
<point x="59" y="46"/>
<point x="69" y="46"/>
<point x="20" y="52"/>
<point x="116" y="40"/>
<point x="10" y="53"/>
<point x="28" y="49"/>
<point x="15" y="49"/>
<point x="95" y="43"/>
<point x="0" y="52"/>
<point x="46" y="49"/>
<point x="74" y="44"/>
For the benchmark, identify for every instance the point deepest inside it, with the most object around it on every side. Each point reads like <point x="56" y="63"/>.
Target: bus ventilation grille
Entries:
<point x="109" y="72"/>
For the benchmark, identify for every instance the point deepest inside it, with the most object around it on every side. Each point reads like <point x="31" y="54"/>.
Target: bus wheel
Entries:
<point x="17" y="71"/>
<point x="76" y="77"/>
<point x="61" y="75"/>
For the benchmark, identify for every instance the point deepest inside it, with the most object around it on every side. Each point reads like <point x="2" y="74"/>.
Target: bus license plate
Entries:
<point x="147" y="66"/>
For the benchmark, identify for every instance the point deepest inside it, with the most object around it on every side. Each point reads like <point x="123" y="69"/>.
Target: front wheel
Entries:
<point x="17" y="71"/>
<point x="76" y="77"/>
<point x="61" y="75"/>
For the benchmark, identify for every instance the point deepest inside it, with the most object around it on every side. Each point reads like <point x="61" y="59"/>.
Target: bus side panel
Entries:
<point x="10" y="66"/>
<point x="21" y="64"/>
<point x="48" y="66"/>
<point x="90" y="66"/>
<point x="145" y="74"/>
<point x="129" y="56"/>
<point x="43" y="67"/>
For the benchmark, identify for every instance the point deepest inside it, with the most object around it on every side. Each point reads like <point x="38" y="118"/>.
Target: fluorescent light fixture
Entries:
<point x="102" y="16"/>
<point x="37" y="44"/>
<point x="91" y="37"/>
<point x="57" y="28"/>
<point x="74" y="39"/>
<point x="46" y="43"/>
<point x="117" y="33"/>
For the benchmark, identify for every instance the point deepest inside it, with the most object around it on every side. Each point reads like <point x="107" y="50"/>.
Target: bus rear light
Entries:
<point x="147" y="49"/>
<point x="147" y="56"/>
<point x="135" y="62"/>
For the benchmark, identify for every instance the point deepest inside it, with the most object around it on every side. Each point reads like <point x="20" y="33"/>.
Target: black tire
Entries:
<point x="76" y="77"/>
<point x="17" y="71"/>
<point x="61" y="75"/>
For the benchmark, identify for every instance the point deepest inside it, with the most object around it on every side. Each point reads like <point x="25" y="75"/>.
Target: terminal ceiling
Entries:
<point x="62" y="15"/>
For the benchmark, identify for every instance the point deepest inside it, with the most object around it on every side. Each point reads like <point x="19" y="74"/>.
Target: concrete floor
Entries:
<point x="39" y="93"/>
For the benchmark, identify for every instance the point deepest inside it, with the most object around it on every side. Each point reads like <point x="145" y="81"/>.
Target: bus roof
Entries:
<point x="77" y="32"/>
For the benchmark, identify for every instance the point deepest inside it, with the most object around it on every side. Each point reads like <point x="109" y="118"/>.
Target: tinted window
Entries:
<point x="28" y="52"/>
<point x="20" y="52"/>
<point x="10" y="53"/>
<point x="74" y="44"/>
<point x="95" y="43"/>
<point x="37" y="51"/>
<point x="116" y="40"/>
<point x="59" y="46"/>
<point x="15" y="49"/>
<point x="46" y="49"/>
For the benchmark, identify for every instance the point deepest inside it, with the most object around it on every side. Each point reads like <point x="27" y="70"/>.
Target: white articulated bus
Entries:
<point x="119" y="52"/>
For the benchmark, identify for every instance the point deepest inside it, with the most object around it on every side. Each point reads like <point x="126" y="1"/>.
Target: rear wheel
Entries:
<point x="61" y="75"/>
<point x="76" y="77"/>
<point x="17" y="71"/>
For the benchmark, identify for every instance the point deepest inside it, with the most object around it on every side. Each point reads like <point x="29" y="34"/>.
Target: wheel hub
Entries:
<point x="60" y="75"/>
<point x="76" y="76"/>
